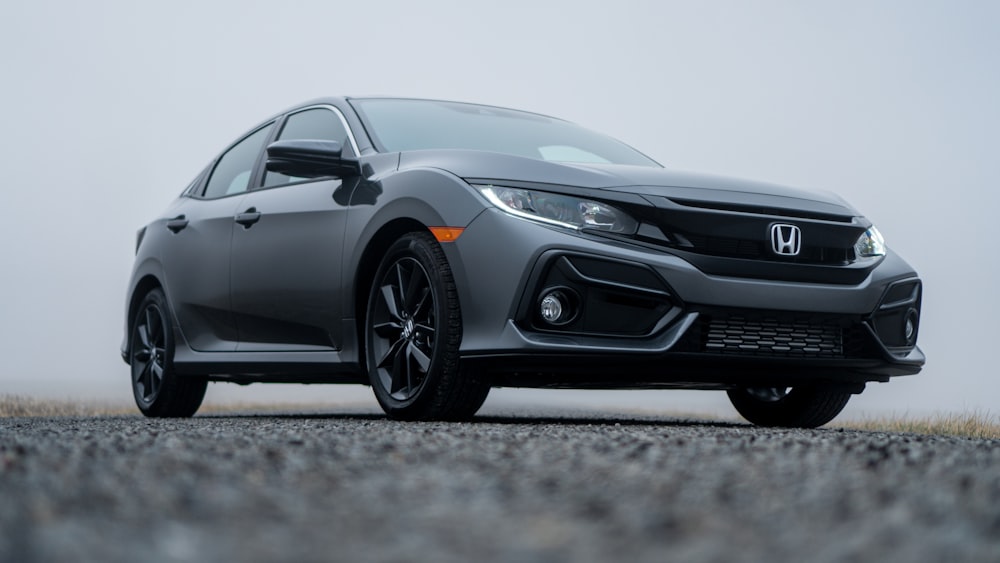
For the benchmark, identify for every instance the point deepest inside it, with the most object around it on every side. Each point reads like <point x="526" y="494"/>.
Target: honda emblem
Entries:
<point x="786" y="240"/>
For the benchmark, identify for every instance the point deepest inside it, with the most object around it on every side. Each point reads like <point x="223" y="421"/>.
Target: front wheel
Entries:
<point x="413" y="330"/>
<point x="158" y="390"/>
<point x="796" y="407"/>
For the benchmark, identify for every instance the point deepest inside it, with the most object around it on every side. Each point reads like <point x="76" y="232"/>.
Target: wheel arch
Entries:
<point x="444" y="200"/>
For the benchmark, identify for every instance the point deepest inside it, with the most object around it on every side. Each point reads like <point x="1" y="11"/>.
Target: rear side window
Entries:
<point x="233" y="170"/>
<point x="314" y="124"/>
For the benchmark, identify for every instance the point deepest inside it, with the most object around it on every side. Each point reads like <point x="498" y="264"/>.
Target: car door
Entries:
<point x="287" y="251"/>
<point x="195" y="256"/>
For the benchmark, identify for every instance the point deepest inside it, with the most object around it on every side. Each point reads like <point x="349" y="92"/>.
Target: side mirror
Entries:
<point x="305" y="158"/>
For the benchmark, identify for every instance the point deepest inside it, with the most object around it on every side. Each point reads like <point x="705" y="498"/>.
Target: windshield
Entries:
<point x="401" y="125"/>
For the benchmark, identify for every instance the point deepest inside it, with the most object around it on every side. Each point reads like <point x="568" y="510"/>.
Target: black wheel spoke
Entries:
<point x="408" y="369"/>
<point x="142" y="353"/>
<point x="400" y="284"/>
<point x="153" y="325"/>
<point x="389" y="331"/>
<point x="410" y="297"/>
<point x="156" y="376"/>
<point x="425" y="299"/>
<point x="147" y="381"/>
<point x="391" y="353"/>
<point x="399" y="372"/>
<point x="139" y="374"/>
<point x="389" y="297"/>
<point x="143" y="335"/>
<point x="422" y="359"/>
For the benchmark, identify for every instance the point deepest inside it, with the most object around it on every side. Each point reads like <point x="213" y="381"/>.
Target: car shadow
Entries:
<point x="569" y="419"/>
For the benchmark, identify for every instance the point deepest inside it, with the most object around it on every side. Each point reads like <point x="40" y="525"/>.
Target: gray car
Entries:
<point x="435" y="249"/>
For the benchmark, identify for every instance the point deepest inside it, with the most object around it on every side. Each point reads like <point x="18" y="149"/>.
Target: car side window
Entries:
<point x="233" y="170"/>
<point x="317" y="123"/>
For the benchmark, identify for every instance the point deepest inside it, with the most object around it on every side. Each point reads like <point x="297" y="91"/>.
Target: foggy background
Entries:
<point x="109" y="109"/>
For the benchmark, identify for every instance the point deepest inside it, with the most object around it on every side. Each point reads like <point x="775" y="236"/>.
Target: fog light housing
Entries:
<point x="557" y="306"/>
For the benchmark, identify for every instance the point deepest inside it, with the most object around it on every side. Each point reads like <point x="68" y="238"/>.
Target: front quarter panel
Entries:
<point x="415" y="198"/>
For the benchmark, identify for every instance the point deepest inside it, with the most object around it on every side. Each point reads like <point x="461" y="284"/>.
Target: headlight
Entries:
<point x="870" y="244"/>
<point x="562" y="210"/>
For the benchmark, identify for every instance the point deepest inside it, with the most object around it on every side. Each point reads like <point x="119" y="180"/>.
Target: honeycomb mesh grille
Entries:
<point x="771" y="337"/>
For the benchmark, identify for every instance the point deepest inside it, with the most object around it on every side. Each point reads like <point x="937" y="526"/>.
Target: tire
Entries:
<point x="413" y="330"/>
<point x="158" y="390"/>
<point x="798" y="407"/>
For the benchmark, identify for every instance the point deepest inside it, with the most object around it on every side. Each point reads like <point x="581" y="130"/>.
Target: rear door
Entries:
<point x="287" y="250"/>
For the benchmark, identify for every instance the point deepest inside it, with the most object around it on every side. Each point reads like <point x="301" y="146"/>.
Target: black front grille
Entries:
<point x="772" y="337"/>
<point x="721" y="246"/>
<point x="738" y="243"/>
<point x="759" y="250"/>
<point x="744" y="234"/>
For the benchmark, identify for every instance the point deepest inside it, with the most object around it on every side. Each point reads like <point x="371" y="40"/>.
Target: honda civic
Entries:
<point x="434" y="250"/>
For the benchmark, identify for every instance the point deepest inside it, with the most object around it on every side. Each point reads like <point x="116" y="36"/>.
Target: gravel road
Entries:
<point x="580" y="487"/>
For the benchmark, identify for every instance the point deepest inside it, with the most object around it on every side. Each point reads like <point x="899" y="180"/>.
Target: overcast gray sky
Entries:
<point x="110" y="109"/>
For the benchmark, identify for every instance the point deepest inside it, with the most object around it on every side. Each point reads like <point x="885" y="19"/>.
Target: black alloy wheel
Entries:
<point x="158" y="390"/>
<point x="405" y="337"/>
<point x="793" y="407"/>
<point x="413" y="330"/>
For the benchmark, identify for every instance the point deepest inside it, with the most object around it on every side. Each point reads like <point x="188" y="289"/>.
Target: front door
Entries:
<point x="288" y="242"/>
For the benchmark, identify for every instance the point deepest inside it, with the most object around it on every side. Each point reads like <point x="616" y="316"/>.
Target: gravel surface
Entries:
<point x="581" y="487"/>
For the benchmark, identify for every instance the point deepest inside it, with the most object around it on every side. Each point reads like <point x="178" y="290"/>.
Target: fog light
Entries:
<point x="552" y="307"/>
<point x="910" y="327"/>
<point x="556" y="307"/>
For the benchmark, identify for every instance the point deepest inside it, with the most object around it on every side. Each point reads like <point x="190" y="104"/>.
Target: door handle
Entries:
<point x="177" y="224"/>
<point x="248" y="217"/>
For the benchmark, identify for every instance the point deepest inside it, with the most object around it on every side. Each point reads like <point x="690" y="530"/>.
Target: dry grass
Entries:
<point x="976" y="424"/>
<point x="17" y="405"/>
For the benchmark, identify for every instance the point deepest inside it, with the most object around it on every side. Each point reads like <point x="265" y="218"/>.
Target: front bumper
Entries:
<point x="651" y="318"/>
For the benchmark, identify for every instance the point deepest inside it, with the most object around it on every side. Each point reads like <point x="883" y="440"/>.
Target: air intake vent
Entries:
<point x="741" y="335"/>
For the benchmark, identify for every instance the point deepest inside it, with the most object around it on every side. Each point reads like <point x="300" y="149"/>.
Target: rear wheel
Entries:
<point x="413" y="329"/>
<point x="800" y="407"/>
<point x="158" y="390"/>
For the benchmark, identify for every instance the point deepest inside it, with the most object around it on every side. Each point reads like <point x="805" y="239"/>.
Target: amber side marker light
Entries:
<point x="446" y="234"/>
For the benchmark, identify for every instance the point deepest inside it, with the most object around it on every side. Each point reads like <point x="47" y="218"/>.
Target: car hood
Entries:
<point x="676" y="185"/>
